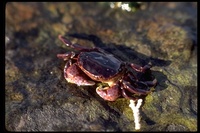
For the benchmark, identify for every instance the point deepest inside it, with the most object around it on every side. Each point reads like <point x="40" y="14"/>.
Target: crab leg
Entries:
<point x="66" y="56"/>
<point x="132" y="89"/>
<point x="151" y="83"/>
<point x="126" y="96"/>
<point x="139" y="68"/>
<point x="69" y="43"/>
<point x="73" y="74"/>
<point x="148" y="83"/>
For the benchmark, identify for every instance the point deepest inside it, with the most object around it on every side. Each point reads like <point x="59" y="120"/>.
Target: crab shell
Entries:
<point x="101" y="66"/>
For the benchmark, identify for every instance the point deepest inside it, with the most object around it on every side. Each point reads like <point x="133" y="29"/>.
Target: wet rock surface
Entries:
<point x="38" y="98"/>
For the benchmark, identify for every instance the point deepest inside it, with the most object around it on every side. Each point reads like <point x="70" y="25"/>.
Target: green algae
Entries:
<point x="187" y="76"/>
<point x="177" y="118"/>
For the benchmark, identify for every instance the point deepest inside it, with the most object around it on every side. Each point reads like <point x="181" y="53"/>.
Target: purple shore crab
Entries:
<point x="113" y="77"/>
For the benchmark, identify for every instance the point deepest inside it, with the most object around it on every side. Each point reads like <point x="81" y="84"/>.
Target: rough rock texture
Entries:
<point x="37" y="97"/>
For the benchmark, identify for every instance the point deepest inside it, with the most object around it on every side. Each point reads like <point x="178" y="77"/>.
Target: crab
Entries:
<point x="112" y="77"/>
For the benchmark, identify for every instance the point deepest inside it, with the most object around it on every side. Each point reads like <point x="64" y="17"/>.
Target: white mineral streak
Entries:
<point x="136" y="114"/>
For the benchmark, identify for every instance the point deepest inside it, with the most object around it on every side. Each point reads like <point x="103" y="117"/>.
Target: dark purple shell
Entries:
<point x="99" y="65"/>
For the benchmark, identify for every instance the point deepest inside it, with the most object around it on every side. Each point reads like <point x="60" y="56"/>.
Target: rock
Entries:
<point x="38" y="98"/>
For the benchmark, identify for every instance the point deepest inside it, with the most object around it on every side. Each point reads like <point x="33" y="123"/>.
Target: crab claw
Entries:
<point x="108" y="93"/>
<point x="73" y="74"/>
